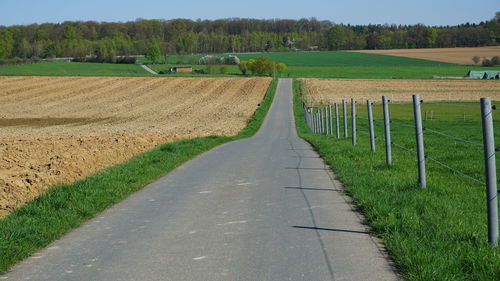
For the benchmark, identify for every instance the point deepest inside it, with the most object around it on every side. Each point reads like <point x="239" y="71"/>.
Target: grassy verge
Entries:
<point x="73" y="69"/>
<point x="65" y="207"/>
<point x="438" y="233"/>
<point x="300" y="64"/>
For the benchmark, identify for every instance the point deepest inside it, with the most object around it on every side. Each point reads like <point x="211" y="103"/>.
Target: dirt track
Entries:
<point x="335" y="90"/>
<point x="451" y="55"/>
<point x="55" y="130"/>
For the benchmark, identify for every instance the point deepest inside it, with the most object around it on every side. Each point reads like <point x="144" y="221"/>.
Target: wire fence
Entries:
<point x="439" y="120"/>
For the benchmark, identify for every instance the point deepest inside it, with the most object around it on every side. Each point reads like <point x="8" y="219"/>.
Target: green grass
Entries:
<point x="65" y="207"/>
<point x="300" y="64"/>
<point x="377" y="72"/>
<point x="231" y="70"/>
<point x="331" y="58"/>
<point x="347" y="65"/>
<point x="437" y="233"/>
<point x="73" y="69"/>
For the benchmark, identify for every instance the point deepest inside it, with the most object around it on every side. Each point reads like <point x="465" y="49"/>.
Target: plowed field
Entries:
<point x="335" y="90"/>
<point x="451" y="55"/>
<point x="55" y="130"/>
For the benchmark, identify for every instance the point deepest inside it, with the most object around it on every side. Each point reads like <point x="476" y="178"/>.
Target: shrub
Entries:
<point x="487" y="62"/>
<point x="495" y="60"/>
<point x="232" y="60"/>
<point x="243" y="67"/>
<point x="211" y="60"/>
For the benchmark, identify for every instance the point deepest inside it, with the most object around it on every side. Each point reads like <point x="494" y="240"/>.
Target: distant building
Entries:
<point x="484" y="74"/>
<point x="181" y="69"/>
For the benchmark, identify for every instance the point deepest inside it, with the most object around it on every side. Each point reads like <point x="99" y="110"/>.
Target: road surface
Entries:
<point x="148" y="69"/>
<point x="264" y="208"/>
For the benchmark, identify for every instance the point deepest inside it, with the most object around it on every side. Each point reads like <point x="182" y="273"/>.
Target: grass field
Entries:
<point x="45" y="219"/>
<point x="449" y="55"/>
<point x="73" y="69"/>
<point x="346" y="65"/>
<point x="437" y="233"/>
<point x="330" y="58"/>
<point x="300" y="64"/>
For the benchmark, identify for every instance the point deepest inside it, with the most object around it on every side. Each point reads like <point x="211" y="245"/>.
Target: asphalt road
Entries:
<point x="264" y="208"/>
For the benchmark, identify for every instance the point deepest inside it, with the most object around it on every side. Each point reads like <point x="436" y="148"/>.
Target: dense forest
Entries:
<point x="182" y="36"/>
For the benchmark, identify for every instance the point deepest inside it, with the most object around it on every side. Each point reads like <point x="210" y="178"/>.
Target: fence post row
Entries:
<point x="353" y="120"/>
<point x="325" y="116"/>
<point x="317" y="121"/>
<point x="330" y="118"/>
<point x="337" y="123"/>
<point x="313" y="119"/>
<point x="387" y="131"/>
<point x="344" y="109"/>
<point x="322" y="120"/>
<point x="420" y="141"/>
<point x="490" y="171"/>
<point x="370" y="125"/>
<point x="327" y="121"/>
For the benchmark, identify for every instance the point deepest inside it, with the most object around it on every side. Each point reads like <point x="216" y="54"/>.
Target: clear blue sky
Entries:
<point x="428" y="12"/>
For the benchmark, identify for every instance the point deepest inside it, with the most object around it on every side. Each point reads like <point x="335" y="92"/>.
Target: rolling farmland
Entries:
<point x="59" y="129"/>
<point x="433" y="233"/>
<point x="335" y="90"/>
<point x="448" y="55"/>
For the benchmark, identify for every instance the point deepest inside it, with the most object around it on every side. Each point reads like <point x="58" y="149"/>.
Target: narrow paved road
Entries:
<point x="264" y="208"/>
<point x="148" y="69"/>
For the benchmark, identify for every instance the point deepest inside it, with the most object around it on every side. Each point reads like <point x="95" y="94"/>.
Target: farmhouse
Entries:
<point x="482" y="74"/>
<point x="181" y="69"/>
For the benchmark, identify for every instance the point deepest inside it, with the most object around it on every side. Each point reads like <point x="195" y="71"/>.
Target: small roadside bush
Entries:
<point x="232" y="60"/>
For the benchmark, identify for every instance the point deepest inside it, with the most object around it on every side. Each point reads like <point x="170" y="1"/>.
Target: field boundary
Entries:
<point x="436" y="233"/>
<point x="63" y="208"/>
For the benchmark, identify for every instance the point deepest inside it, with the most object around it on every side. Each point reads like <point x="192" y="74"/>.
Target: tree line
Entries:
<point x="183" y="36"/>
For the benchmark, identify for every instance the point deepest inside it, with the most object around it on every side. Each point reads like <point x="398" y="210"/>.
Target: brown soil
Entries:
<point x="335" y="90"/>
<point x="55" y="130"/>
<point x="451" y="55"/>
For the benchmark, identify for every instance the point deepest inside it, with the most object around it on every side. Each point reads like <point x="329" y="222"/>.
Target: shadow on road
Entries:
<point x="330" y="229"/>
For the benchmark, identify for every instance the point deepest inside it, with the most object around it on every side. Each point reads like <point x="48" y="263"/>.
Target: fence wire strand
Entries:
<point x="402" y="124"/>
<point x="451" y="104"/>
<point x="433" y="160"/>
<point x="403" y="148"/>
<point x="454" y="170"/>
<point x="452" y="137"/>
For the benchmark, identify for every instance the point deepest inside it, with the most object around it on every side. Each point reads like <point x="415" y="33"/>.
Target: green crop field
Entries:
<point x="73" y="69"/>
<point x="345" y="65"/>
<point x="230" y="70"/>
<point x="300" y="65"/>
<point x="330" y="58"/>
<point x="437" y="233"/>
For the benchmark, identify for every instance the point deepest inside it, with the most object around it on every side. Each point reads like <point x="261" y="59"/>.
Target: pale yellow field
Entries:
<point x="56" y="130"/>
<point x="451" y="55"/>
<point x="335" y="90"/>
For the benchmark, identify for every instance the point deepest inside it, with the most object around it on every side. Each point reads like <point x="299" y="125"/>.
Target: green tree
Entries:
<point x="243" y="67"/>
<point x="337" y="37"/>
<point x="153" y="53"/>
<point x="261" y="66"/>
<point x="280" y="67"/>
<point x="6" y="43"/>
<point x="431" y="36"/>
